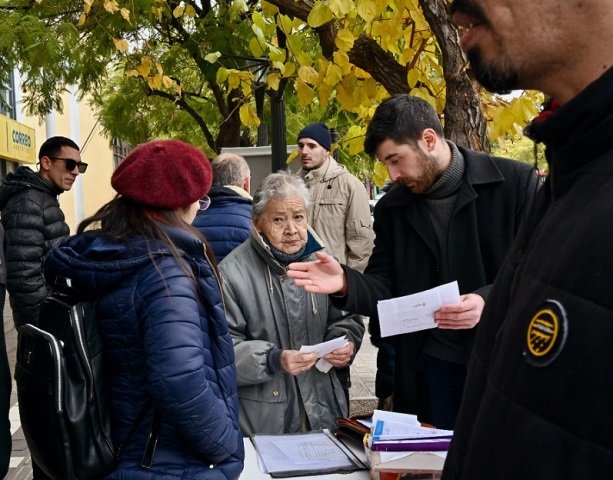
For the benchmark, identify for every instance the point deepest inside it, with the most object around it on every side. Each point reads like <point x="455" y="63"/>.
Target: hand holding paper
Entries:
<point x="412" y="313"/>
<point x="341" y="346"/>
<point x="296" y="363"/>
<point x="462" y="315"/>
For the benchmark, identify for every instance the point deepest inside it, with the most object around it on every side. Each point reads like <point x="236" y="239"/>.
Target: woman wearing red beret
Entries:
<point x="161" y="317"/>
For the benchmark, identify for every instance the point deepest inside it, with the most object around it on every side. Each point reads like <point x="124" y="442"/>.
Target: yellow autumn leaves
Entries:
<point x="153" y="73"/>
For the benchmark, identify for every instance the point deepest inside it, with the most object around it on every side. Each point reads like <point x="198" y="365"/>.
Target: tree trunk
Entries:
<point x="465" y="123"/>
<point x="382" y="66"/>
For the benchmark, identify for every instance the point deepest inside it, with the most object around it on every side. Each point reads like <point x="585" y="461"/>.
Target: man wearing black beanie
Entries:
<point x="341" y="213"/>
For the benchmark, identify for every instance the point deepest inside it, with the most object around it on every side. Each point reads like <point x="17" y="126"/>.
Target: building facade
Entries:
<point x="21" y="136"/>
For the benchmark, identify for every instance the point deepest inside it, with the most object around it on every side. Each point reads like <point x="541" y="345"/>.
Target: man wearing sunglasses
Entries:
<point x="32" y="220"/>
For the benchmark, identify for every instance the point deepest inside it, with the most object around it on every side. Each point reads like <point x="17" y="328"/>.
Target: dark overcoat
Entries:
<point x="538" y="396"/>
<point x="491" y="202"/>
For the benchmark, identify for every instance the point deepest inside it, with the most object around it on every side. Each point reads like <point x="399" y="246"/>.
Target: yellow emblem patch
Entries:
<point x="546" y="334"/>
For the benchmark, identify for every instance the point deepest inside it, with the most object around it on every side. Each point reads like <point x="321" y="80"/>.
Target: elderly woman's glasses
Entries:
<point x="72" y="164"/>
<point x="204" y="203"/>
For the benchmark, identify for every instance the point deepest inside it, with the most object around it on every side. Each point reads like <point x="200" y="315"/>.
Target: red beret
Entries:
<point x="164" y="173"/>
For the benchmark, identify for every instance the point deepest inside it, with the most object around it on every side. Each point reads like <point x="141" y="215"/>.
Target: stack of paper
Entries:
<point x="399" y="432"/>
<point x="400" y="444"/>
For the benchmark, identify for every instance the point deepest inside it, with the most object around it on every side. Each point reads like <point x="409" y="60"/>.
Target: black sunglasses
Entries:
<point x="71" y="164"/>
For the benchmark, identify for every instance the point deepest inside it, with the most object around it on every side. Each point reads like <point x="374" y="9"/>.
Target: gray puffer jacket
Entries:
<point x="267" y="311"/>
<point x="32" y="220"/>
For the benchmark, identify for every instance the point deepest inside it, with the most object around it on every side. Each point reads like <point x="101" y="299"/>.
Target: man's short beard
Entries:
<point x="496" y="80"/>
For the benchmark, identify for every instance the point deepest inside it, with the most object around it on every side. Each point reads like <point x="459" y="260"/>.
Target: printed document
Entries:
<point x="303" y="453"/>
<point x="415" y="312"/>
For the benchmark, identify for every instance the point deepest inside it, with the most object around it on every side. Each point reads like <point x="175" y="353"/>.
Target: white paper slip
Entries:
<point x="325" y="347"/>
<point x="415" y="312"/>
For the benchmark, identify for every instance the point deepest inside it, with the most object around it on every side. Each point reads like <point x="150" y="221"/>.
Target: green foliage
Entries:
<point x="520" y="148"/>
<point x="186" y="68"/>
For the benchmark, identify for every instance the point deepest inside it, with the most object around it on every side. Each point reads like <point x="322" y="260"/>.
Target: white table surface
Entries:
<point x="252" y="470"/>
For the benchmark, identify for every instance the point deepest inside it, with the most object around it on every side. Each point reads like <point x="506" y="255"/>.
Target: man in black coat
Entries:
<point x="538" y="396"/>
<point x="32" y="220"/>
<point x="452" y="215"/>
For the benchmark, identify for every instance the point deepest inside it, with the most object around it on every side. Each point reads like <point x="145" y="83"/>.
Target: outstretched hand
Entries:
<point x="463" y="315"/>
<point x="324" y="275"/>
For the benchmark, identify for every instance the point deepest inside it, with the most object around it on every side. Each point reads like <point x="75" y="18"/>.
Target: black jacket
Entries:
<point x="32" y="220"/>
<point x="490" y="205"/>
<point x="538" y="397"/>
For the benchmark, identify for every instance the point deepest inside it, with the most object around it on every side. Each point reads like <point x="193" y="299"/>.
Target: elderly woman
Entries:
<point x="282" y="390"/>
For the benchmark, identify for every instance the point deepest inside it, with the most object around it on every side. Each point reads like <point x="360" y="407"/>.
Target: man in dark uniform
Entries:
<point x="452" y="215"/>
<point x="538" y="397"/>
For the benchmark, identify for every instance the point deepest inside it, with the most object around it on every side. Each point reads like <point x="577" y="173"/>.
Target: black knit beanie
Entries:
<point x="318" y="132"/>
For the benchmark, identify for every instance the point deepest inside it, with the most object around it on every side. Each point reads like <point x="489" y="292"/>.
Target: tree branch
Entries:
<point x="185" y="106"/>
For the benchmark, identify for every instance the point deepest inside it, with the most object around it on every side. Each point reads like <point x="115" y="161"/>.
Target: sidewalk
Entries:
<point x="362" y="396"/>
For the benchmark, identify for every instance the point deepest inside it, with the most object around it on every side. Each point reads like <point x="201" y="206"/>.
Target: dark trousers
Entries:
<point x="5" y="395"/>
<point x="440" y="385"/>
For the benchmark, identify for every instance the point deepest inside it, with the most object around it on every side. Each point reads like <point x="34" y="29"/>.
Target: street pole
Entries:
<point x="278" y="142"/>
<point x="334" y="137"/>
<point x="260" y="94"/>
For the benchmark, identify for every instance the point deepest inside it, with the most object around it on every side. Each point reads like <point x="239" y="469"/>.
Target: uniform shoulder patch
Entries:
<point x="546" y="334"/>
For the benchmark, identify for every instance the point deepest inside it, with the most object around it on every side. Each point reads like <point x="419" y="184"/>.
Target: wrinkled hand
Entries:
<point x="463" y="315"/>
<point x="341" y="356"/>
<point x="295" y="363"/>
<point x="324" y="275"/>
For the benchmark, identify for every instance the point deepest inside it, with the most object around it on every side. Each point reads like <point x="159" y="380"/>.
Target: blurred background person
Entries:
<point x="160" y="313"/>
<point x="280" y="389"/>
<point x="227" y="222"/>
<point x="340" y="214"/>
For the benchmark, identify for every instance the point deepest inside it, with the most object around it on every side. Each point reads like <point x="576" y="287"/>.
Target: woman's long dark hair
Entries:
<point x="122" y="218"/>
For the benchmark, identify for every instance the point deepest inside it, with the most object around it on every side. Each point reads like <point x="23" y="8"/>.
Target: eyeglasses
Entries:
<point x="71" y="164"/>
<point x="204" y="203"/>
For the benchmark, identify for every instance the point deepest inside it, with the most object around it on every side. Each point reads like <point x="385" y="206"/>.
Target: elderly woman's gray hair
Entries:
<point x="279" y="185"/>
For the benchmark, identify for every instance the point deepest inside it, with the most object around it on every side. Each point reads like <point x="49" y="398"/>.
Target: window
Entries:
<point x="7" y="97"/>
<point x="121" y="149"/>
